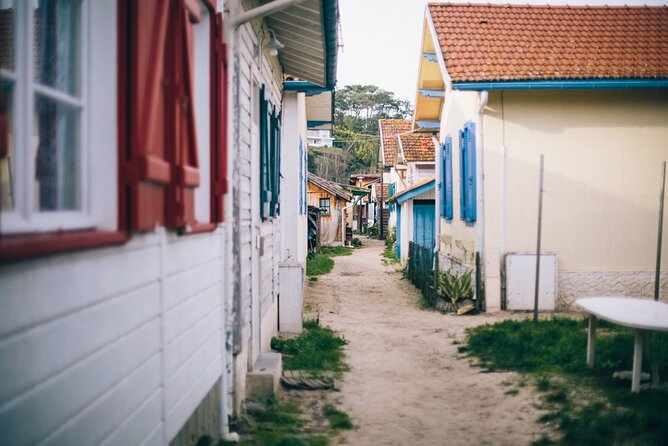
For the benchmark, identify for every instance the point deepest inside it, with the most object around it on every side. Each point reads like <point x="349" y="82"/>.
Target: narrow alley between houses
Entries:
<point x="407" y="383"/>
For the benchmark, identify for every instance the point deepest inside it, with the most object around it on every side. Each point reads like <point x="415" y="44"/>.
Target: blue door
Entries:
<point x="398" y="231"/>
<point x="424" y="214"/>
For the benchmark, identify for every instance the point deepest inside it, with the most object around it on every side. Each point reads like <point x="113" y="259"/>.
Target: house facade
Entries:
<point x="140" y="237"/>
<point x="335" y="207"/>
<point x="594" y="104"/>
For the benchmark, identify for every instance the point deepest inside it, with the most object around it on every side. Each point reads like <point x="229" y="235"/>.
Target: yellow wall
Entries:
<point x="314" y="195"/>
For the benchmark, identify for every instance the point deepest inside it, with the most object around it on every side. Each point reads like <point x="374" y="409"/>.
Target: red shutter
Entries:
<point x="149" y="167"/>
<point x="219" y="126"/>
<point x="185" y="130"/>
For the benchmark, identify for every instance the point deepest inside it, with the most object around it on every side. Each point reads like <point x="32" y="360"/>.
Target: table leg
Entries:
<point x="637" y="360"/>
<point x="591" y="341"/>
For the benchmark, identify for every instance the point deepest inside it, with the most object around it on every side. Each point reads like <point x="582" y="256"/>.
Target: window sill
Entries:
<point x="199" y="228"/>
<point x="31" y="245"/>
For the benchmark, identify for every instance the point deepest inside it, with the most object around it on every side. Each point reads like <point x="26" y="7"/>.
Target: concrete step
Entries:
<point x="263" y="381"/>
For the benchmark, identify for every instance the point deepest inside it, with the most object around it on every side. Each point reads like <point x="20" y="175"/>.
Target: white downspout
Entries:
<point x="261" y="11"/>
<point x="480" y="225"/>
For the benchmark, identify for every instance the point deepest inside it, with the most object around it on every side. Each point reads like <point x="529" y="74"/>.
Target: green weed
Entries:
<point x="316" y="349"/>
<point x="337" y="419"/>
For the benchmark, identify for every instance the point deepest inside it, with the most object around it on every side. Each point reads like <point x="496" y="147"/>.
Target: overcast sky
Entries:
<point x="381" y="40"/>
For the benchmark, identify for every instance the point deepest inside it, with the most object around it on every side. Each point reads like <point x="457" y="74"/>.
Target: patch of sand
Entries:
<point x="407" y="383"/>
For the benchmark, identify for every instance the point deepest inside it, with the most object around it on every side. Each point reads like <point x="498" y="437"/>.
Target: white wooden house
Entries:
<point x="580" y="85"/>
<point x="138" y="272"/>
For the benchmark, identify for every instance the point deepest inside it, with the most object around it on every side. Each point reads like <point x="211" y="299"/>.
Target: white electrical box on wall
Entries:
<point x="521" y="281"/>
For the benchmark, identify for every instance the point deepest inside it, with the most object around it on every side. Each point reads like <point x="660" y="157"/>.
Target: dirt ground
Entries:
<point x="407" y="383"/>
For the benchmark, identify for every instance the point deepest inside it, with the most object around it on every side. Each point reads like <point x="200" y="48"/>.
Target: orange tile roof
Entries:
<point x="418" y="147"/>
<point x="389" y="129"/>
<point x="517" y="42"/>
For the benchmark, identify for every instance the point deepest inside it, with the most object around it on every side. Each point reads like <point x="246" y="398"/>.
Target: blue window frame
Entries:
<point x="445" y="184"/>
<point x="467" y="173"/>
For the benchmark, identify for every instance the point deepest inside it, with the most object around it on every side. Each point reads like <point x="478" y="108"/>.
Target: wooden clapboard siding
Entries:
<point x="95" y="344"/>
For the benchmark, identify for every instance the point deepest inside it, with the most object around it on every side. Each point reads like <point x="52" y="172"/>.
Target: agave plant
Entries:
<point x="455" y="288"/>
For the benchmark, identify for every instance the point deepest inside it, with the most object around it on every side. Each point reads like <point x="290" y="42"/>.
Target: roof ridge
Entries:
<point x="546" y="6"/>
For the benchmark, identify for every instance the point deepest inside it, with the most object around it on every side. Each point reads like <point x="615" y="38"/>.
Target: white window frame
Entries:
<point x="98" y="134"/>
<point x="203" y="113"/>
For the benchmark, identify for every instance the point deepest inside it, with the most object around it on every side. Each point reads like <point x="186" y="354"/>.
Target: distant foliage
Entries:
<point x="357" y="111"/>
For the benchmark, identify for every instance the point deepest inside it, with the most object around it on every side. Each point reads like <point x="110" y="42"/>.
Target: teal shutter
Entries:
<point x="446" y="203"/>
<point x="274" y="162"/>
<point x="390" y="193"/>
<point x="471" y="208"/>
<point x="265" y="194"/>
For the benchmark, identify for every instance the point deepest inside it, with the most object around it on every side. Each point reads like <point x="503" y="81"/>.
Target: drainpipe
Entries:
<point x="480" y="225"/>
<point x="262" y="11"/>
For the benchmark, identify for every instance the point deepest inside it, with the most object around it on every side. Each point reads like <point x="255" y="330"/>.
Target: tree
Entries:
<point x="357" y="111"/>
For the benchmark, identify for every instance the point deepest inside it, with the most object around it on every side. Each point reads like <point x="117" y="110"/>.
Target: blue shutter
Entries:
<point x="441" y="182"/>
<point x="301" y="176"/>
<point x="471" y="208"/>
<point x="462" y="174"/>
<point x="447" y="174"/>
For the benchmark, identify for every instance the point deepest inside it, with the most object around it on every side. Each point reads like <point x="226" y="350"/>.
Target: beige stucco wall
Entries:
<point x="603" y="153"/>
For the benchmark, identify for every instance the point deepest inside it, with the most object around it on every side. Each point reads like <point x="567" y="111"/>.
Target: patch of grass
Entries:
<point x="316" y="349"/>
<point x="390" y="255"/>
<point x="320" y="263"/>
<point x="334" y="251"/>
<point x="278" y="425"/>
<point x="511" y="392"/>
<point x="313" y="279"/>
<point x="543" y="441"/>
<point x="586" y="404"/>
<point x="337" y="418"/>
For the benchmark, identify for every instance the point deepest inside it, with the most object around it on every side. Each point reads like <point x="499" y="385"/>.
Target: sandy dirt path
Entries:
<point x="407" y="383"/>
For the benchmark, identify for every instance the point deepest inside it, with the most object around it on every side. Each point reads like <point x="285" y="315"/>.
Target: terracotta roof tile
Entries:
<point x="418" y="147"/>
<point x="518" y="42"/>
<point x="389" y="129"/>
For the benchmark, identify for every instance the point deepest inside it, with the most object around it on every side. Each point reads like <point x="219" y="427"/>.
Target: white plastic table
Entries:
<point x="643" y="315"/>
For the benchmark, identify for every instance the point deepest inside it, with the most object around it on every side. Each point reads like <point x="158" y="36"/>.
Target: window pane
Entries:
<point x="57" y="156"/>
<point x="7" y="35"/>
<point x="57" y="44"/>
<point x="6" y="146"/>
